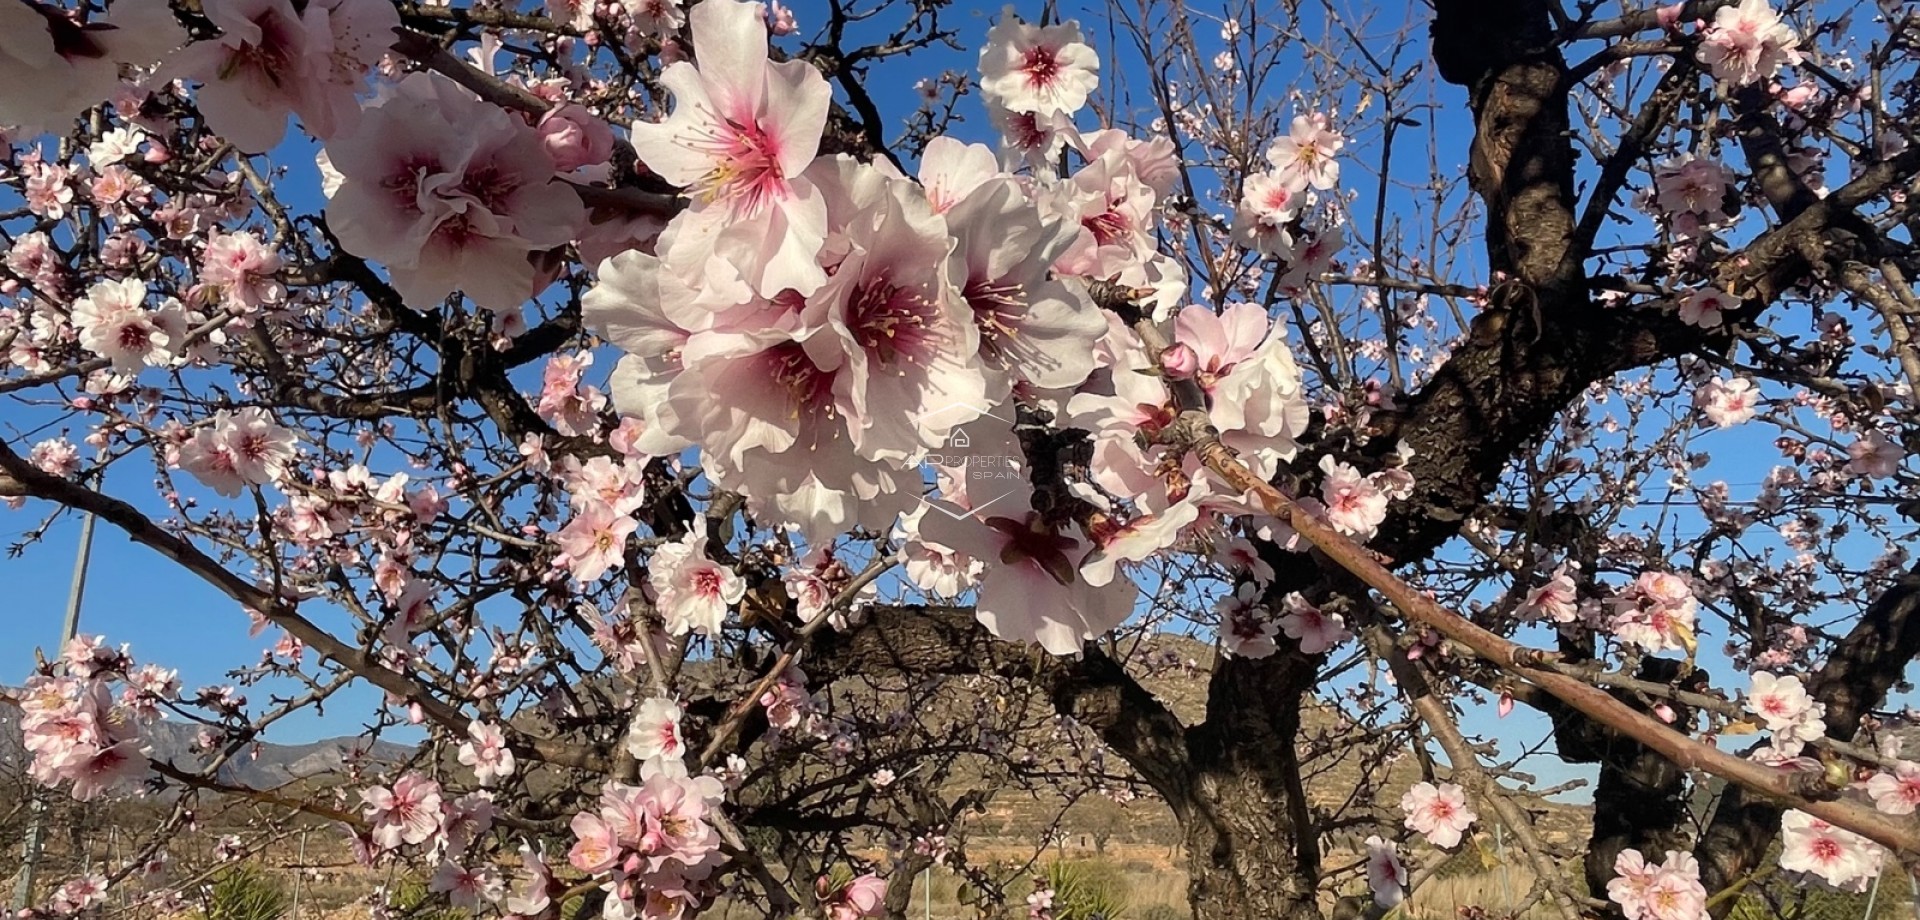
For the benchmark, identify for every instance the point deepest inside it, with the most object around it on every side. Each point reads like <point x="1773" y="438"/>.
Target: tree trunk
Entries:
<point x="1252" y="850"/>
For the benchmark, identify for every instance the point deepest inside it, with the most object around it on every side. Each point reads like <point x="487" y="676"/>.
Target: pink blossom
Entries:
<point x="1247" y="629"/>
<point x="780" y="19"/>
<point x="1035" y="593"/>
<point x="1556" y="600"/>
<point x="1268" y="204"/>
<point x="408" y="813"/>
<point x="238" y="449"/>
<point x="1781" y="702"/>
<point x="1386" y="874"/>
<point x="1841" y="858"/>
<point x="80" y="68"/>
<point x="1668" y="891"/>
<point x="655" y="731"/>
<point x="241" y="269"/>
<point x="864" y="896"/>
<point x="1747" y="43"/>
<point x="1896" y="792"/>
<point x="55" y="457"/>
<point x="1305" y="156"/>
<point x="486" y="751"/>
<point x="467" y="888"/>
<point x="1875" y="456"/>
<point x="1703" y="307"/>
<point x="449" y="193"/>
<point x="692" y="591"/>
<point x="1656" y="613"/>
<point x="658" y="18"/>
<point x="1355" y="505"/>
<point x="1039" y="70"/>
<point x="742" y="131"/>
<point x="272" y="59"/>
<point x="114" y="323"/>
<point x="595" y="541"/>
<point x="1439" y="812"/>
<point x="533" y="899"/>
<point x="573" y="138"/>
<point x="595" y="849"/>
<point x="1727" y="403"/>
<point x="1032" y="328"/>
<point x="1316" y="630"/>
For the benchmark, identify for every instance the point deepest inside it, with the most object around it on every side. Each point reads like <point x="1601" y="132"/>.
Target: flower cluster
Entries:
<point x="1656" y="613"/>
<point x="1788" y="712"/>
<point x="653" y="842"/>
<point x="1669" y="890"/>
<point x="77" y="730"/>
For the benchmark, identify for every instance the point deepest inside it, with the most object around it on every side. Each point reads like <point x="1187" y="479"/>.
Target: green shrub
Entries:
<point x="1087" y="890"/>
<point x="245" y="893"/>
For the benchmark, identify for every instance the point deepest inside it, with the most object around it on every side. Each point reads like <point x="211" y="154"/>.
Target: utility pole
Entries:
<point x="37" y="819"/>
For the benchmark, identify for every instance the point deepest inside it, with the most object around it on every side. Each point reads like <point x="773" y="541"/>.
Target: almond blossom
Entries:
<point x="1038" y="70"/>
<point x="468" y="888"/>
<point x="1316" y="630"/>
<point x="240" y="269"/>
<point x="1748" y="42"/>
<point x="1843" y="859"/>
<point x="486" y="751"/>
<point x="407" y="813"/>
<point x="1386" y="874"/>
<point x="1439" y="812"/>
<point x="741" y="132"/>
<point x="655" y="731"/>
<point x="1557" y="600"/>
<point x="1781" y="702"/>
<point x="1247" y="629"/>
<point x="1035" y="593"/>
<point x="273" y="58"/>
<point x="1305" y="156"/>
<point x="1703" y="307"/>
<point x="1725" y="402"/>
<point x="1896" y="792"/>
<point x="1670" y="890"/>
<point x="74" y="66"/>
<point x="595" y="541"/>
<point x="1656" y="613"/>
<point x="115" y="323"/>
<point x="1268" y="204"/>
<point x="692" y="591"/>
<point x="238" y="449"/>
<point x="1874" y="455"/>
<point x="1354" y="504"/>
<point x="449" y="193"/>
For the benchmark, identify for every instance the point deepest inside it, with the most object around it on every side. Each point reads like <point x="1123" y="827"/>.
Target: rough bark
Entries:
<point x="1252" y="850"/>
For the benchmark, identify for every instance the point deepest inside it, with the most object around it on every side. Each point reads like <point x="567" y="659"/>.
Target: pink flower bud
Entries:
<point x="574" y="138"/>
<point x="1663" y="712"/>
<point x="1180" y="361"/>
<point x="780" y="19"/>
<point x="83" y="403"/>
